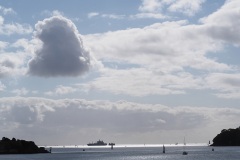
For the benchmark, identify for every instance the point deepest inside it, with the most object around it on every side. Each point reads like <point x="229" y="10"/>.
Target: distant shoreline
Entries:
<point x="124" y="145"/>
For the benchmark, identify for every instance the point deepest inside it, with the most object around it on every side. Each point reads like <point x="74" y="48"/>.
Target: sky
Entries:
<point x="129" y="71"/>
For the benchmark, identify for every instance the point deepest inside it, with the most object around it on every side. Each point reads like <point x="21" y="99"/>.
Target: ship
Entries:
<point x="98" y="143"/>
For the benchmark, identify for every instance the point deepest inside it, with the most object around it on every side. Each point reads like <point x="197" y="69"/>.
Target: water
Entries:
<point x="134" y="153"/>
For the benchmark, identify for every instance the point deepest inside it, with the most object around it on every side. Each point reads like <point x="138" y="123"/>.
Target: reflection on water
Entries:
<point x="133" y="153"/>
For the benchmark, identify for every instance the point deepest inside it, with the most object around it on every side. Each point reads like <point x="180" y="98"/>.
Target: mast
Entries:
<point x="184" y="144"/>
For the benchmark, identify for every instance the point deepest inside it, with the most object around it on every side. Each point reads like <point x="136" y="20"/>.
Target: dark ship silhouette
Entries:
<point x="98" y="143"/>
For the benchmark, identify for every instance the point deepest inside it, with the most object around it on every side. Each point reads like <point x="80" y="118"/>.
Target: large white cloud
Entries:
<point x="65" y="120"/>
<point x="167" y="50"/>
<point x="62" y="52"/>
<point x="169" y="46"/>
<point x="163" y="49"/>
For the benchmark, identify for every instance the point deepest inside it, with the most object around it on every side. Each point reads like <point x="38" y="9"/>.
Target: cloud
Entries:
<point x="170" y="46"/>
<point x="3" y="45"/>
<point x="150" y="6"/>
<point x="52" y="13"/>
<point x="13" y="28"/>
<point x="61" y="90"/>
<point x="93" y="14"/>
<point x="113" y="16"/>
<point x="227" y="84"/>
<point x="14" y="57"/>
<point x="6" y="11"/>
<point x="143" y="82"/>
<point x="148" y="15"/>
<point x="2" y="86"/>
<point x="224" y="23"/>
<point x="20" y="92"/>
<point x="62" y="52"/>
<point x="187" y="7"/>
<point x="168" y="49"/>
<point x="65" y="89"/>
<point x="158" y="7"/>
<point x="110" y="16"/>
<point x="12" y="64"/>
<point x="78" y="118"/>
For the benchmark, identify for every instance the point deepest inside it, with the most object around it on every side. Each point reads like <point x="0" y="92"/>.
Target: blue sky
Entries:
<point x="139" y="71"/>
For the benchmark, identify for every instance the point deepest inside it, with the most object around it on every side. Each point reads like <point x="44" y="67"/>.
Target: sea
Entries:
<point x="132" y="152"/>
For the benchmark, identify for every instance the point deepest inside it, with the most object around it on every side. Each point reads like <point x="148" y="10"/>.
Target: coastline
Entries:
<point x="125" y="145"/>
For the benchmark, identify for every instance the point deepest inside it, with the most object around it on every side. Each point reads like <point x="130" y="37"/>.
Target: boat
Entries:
<point x="98" y="143"/>
<point x="184" y="152"/>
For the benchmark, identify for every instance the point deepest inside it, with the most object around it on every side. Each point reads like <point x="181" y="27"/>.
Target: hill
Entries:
<point x="227" y="137"/>
<point x="14" y="146"/>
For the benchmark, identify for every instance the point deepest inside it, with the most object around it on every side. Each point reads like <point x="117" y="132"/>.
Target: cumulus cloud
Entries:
<point x="170" y="46"/>
<point x="150" y="6"/>
<point x="167" y="49"/>
<point x="62" y="52"/>
<point x="159" y="9"/>
<point x="11" y="64"/>
<point x="6" y="11"/>
<point x="187" y="7"/>
<point x="13" y="28"/>
<point x="224" y="23"/>
<point x="14" y="57"/>
<point x="162" y="7"/>
<point x="52" y="13"/>
<point x="78" y="118"/>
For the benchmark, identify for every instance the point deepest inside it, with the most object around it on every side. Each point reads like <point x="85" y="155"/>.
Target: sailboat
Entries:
<point x="184" y="152"/>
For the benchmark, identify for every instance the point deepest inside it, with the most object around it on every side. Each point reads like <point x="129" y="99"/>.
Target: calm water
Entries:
<point x="134" y="153"/>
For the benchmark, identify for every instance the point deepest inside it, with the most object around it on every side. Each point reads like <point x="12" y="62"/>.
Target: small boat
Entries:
<point x="98" y="143"/>
<point x="184" y="152"/>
